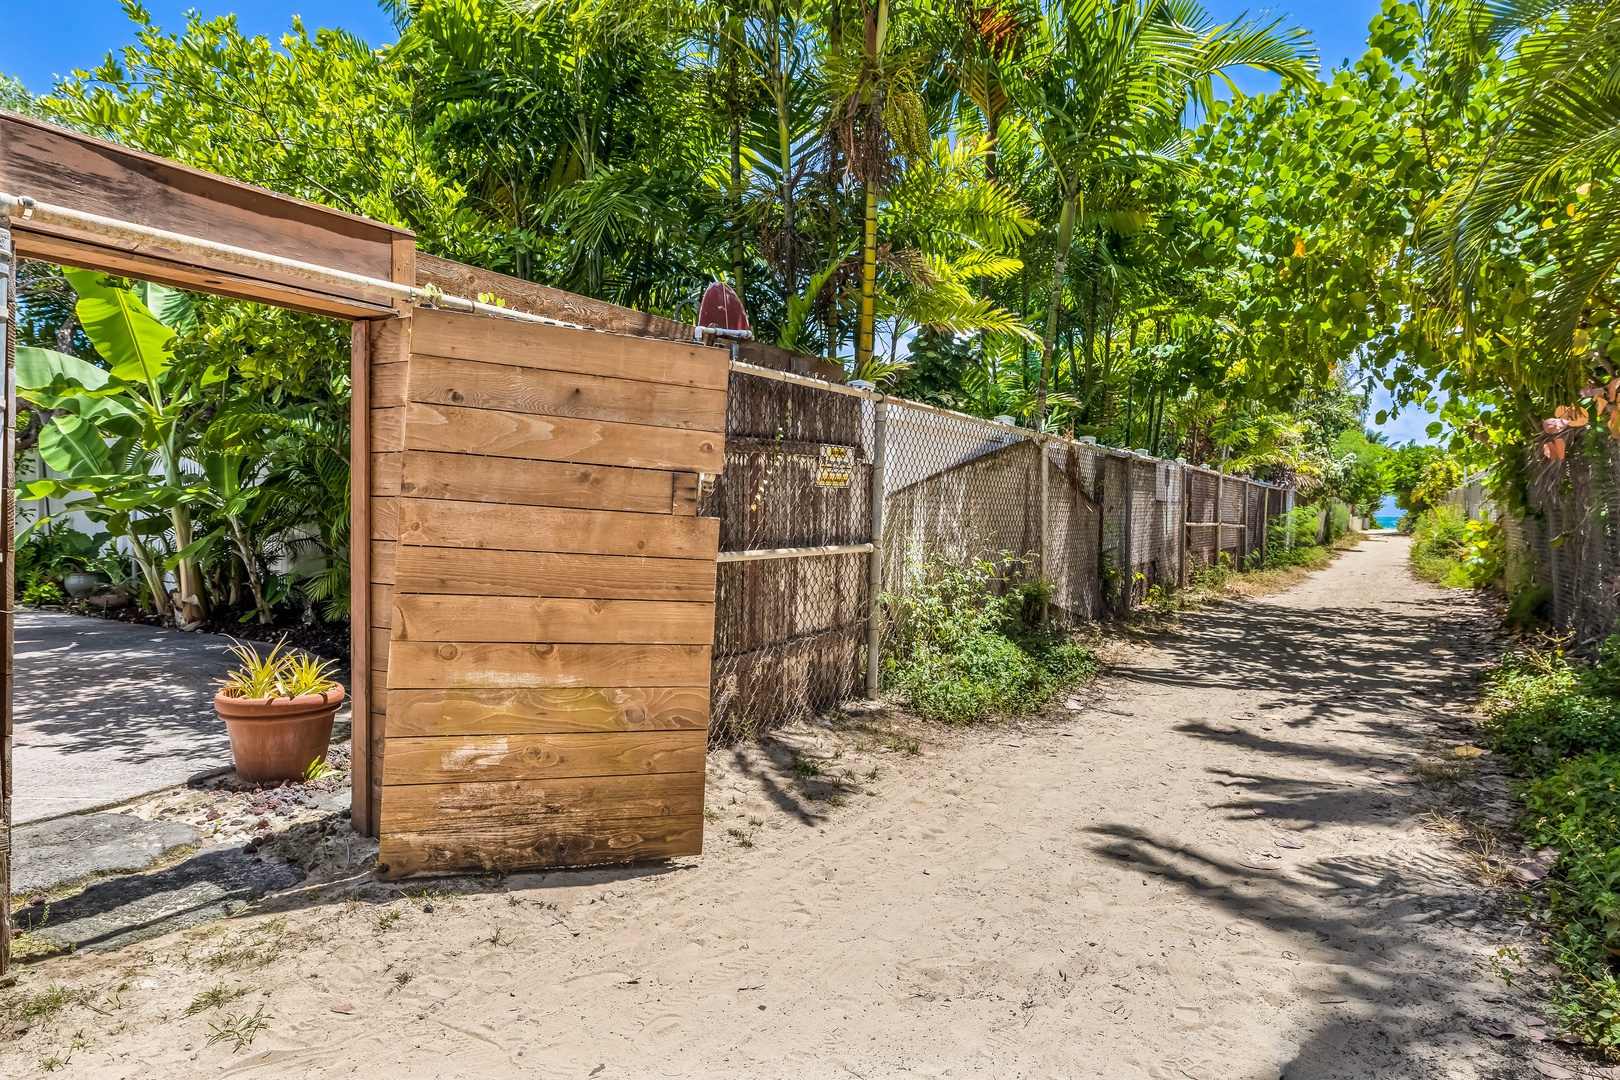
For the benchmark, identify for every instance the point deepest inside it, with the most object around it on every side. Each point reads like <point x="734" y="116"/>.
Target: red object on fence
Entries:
<point x="723" y="308"/>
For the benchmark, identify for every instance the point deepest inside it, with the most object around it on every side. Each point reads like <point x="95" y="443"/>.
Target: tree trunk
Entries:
<point x="866" y="328"/>
<point x="193" y="593"/>
<point x="1060" y="267"/>
<point x="733" y="26"/>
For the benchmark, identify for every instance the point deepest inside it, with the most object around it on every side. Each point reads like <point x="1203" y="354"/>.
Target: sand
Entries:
<point x="1214" y="863"/>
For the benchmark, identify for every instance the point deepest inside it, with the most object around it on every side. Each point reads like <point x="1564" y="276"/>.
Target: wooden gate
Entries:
<point x="550" y="623"/>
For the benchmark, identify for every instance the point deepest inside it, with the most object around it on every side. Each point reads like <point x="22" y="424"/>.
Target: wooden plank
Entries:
<point x="560" y="348"/>
<point x="462" y="477"/>
<point x="387" y="385"/>
<point x="383" y="553"/>
<point x="686" y="491"/>
<point x="558" y="619"/>
<point x="552" y="438"/>
<point x="502" y="849"/>
<point x="562" y="530"/>
<point x="64" y="167"/>
<point x="564" y="802"/>
<point x="447" y="759"/>
<point x="458" y="279"/>
<point x="380" y="646"/>
<point x="525" y="573"/>
<point x="516" y="712"/>
<point x="387" y="429"/>
<point x="440" y="381"/>
<point x="381" y="605"/>
<point x="425" y="665"/>
<point x="384" y="518"/>
<point x="386" y="470"/>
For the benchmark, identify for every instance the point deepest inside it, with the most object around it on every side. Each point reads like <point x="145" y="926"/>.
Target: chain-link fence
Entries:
<point x="1568" y="542"/>
<point x="833" y="496"/>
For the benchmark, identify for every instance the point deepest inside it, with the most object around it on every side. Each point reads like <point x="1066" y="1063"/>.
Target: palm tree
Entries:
<point x="1106" y="86"/>
<point x="876" y="74"/>
<point x="1559" y="141"/>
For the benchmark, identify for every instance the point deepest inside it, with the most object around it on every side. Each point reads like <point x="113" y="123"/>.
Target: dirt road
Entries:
<point x="1216" y="868"/>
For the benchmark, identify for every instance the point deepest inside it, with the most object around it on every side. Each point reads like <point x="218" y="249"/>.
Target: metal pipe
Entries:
<point x="1046" y="517"/>
<point x="8" y="267"/>
<point x="28" y="209"/>
<point x="762" y="554"/>
<point x="874" y="570"/>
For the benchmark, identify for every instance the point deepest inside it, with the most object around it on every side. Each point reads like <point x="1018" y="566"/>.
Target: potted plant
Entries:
<point x="278" y="710"/>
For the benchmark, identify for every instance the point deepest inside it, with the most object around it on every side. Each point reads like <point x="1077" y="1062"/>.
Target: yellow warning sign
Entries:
<point x="837" y="466"/>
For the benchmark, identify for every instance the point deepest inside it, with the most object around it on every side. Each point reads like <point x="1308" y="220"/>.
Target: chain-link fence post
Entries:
<point x="1183" y="570"/>
<point x="1046" y="515"/>
<point x="874" y="615"/>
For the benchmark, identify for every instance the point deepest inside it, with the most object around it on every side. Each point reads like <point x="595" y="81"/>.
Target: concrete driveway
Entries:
<point x="106" y="711"/>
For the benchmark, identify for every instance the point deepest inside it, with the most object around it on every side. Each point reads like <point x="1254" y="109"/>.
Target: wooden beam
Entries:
<point x="66" y="168"/>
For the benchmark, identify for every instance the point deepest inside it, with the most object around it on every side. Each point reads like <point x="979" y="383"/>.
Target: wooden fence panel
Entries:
<point x="551" y="610"/>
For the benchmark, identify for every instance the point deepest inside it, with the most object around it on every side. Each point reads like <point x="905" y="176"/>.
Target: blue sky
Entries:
<point x="46" y="40"/>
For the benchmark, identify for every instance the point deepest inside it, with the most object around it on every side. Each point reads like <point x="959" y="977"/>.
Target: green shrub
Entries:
<point x="1291" y="537"/>
<point x="1560" y="722"/>
<point x="46" y="556"/>
<point x="1531" y="607"/>
<point x="1576" y="810"/>
<point x="1338" y="520"/>
<point x="1453" y="551"/>
<point x="1543" y="709"/>
<point x="970" y="643"/>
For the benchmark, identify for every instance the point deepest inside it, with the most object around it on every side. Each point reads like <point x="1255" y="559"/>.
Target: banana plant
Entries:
<point x="118" y="433"/>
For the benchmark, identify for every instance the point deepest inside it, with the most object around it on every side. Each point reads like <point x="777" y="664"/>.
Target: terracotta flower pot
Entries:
<point x="276" y="739"/>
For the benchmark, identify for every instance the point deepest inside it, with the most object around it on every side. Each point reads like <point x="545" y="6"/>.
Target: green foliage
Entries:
<point x="1544" y="709"/>
<point x="1559" y="722"/>
<point x="1450" y="550"/>
<point x="1576" y="810"/>
<point x="281" y="672"/>
<point x="46" y="555"/>
<point x="970" y="644"/>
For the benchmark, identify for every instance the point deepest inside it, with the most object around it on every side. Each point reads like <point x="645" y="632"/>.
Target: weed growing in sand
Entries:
<point x="970" y="642"/>
<point x="254" y="947"/>
<point x="56" y="1060"/>
<point x="402" y="978"/>
<point x="239" y="1029"/>
<point x="903" y="744"/>
<point x="710" y="814"/>
<point x="388" y="918"/>
<point x="428" y="893"/>
<point x="743" y="837"/>
<point x="41" y="1006"/>
<point x="216" y="997"/>
<point x="499" y="937"/>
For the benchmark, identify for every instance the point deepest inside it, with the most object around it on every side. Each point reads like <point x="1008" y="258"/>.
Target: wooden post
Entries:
<point x="360" y="816"/>
<point x="8" y="507"/>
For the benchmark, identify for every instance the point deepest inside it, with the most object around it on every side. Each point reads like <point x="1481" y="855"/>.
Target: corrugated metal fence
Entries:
<point x="832" y="495"/>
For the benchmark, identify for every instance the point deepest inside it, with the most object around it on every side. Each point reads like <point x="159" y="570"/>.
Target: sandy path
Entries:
<point x="1216" y="871"/>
